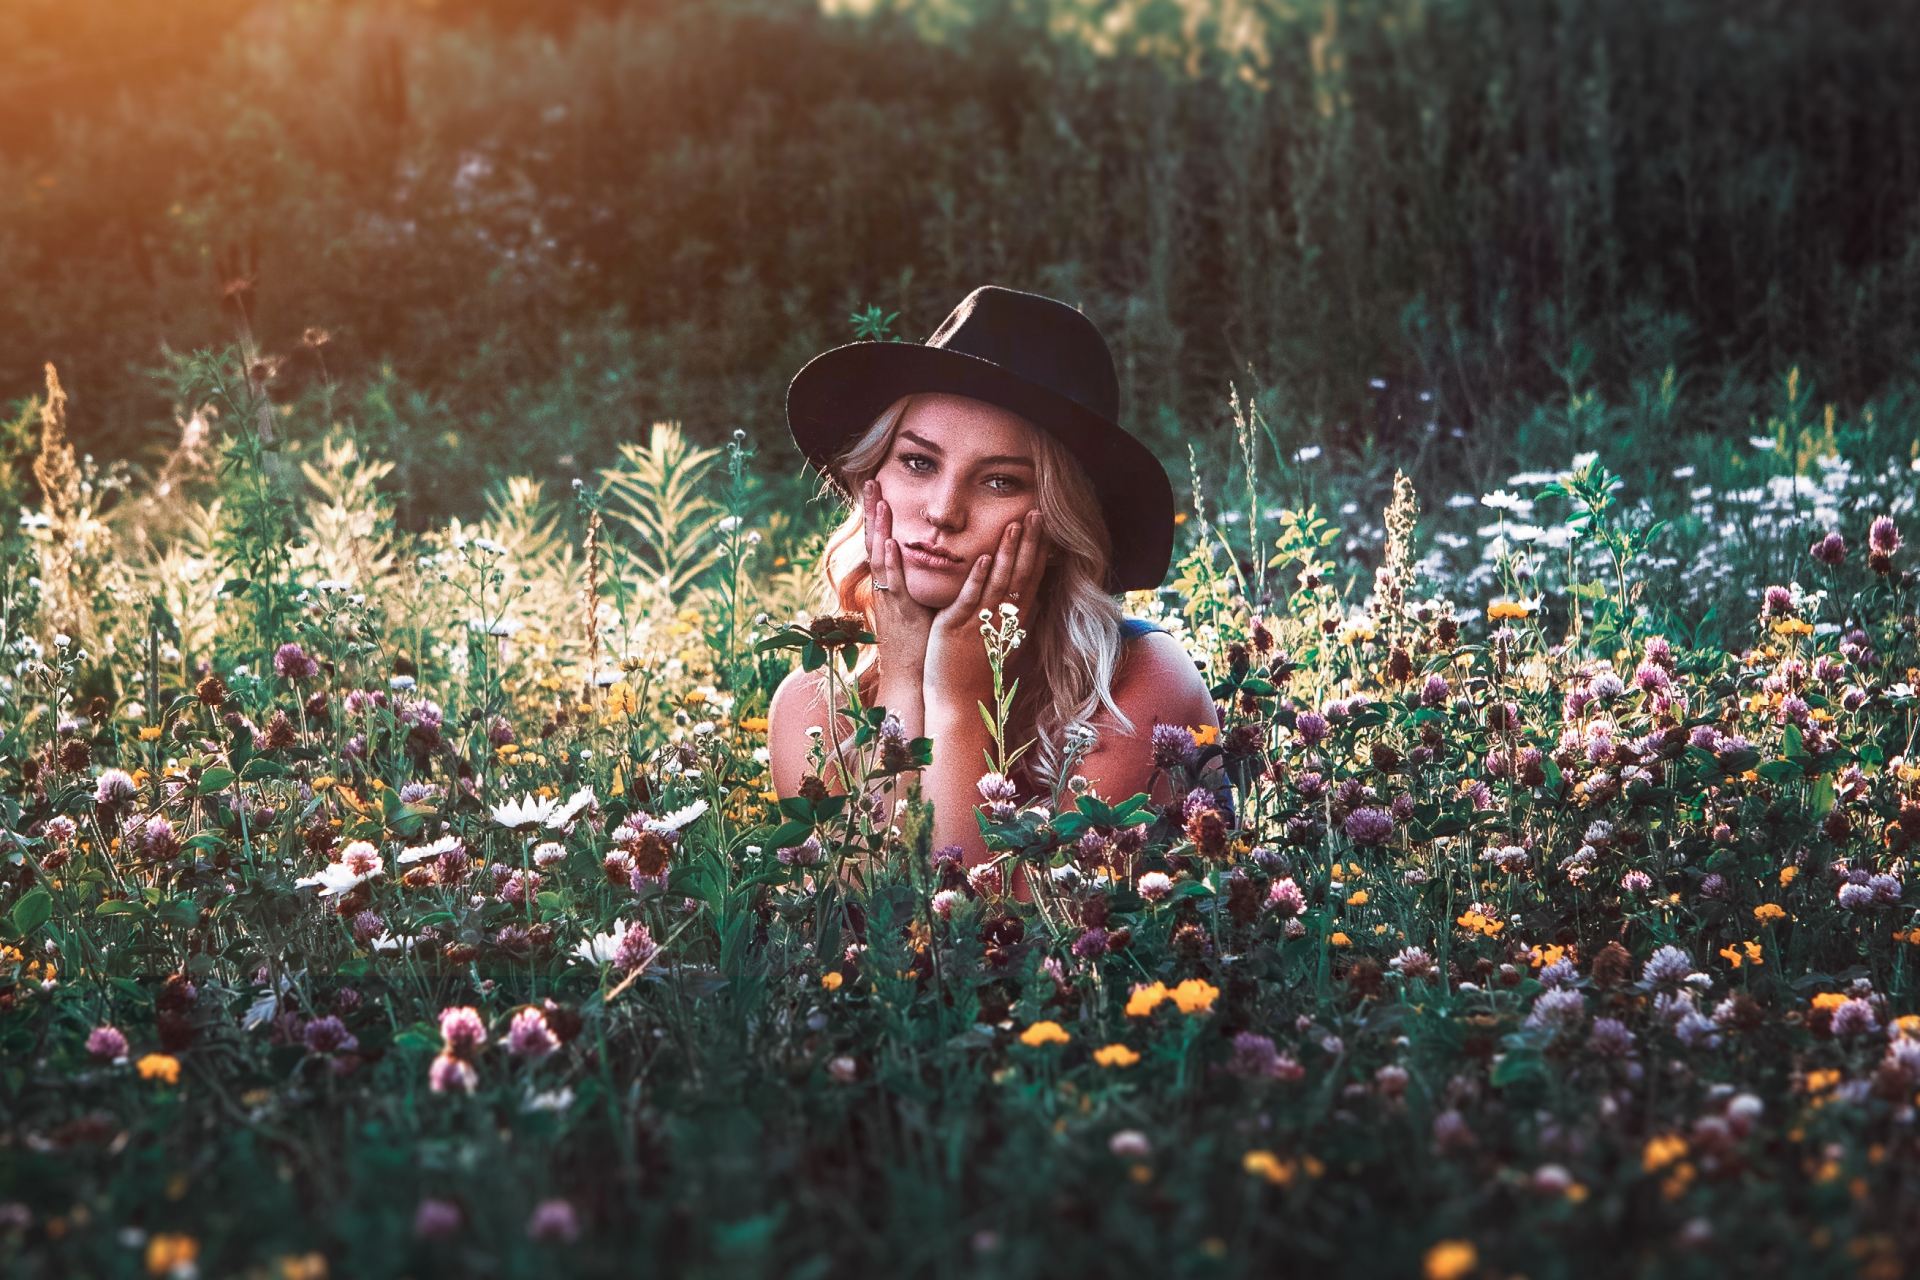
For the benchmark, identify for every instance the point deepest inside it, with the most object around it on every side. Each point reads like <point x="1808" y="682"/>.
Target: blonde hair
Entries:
<point x="1073" y="626"/>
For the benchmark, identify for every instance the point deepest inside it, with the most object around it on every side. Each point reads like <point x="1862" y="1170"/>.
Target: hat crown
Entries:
<point x="1041" y="339"/>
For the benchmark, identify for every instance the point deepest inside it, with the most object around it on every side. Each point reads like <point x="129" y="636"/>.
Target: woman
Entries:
<point x="986" y="467"/>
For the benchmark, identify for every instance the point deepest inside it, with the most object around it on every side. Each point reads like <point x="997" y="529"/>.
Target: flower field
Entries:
<point x="383" y="903"/>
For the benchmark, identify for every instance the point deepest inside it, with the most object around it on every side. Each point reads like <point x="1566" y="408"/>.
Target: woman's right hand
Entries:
<point x="900" y="623"/>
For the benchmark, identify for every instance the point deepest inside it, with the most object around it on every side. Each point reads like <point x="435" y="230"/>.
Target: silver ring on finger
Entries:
<point x="881" y="587"/>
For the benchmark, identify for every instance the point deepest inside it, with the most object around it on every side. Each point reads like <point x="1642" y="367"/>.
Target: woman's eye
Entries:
<point x="912" y="461"/>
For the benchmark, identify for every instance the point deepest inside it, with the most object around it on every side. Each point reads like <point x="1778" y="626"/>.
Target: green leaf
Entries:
<point x="120" y="907"/>
<point x="260" y="767"/>
<point x="34" y="909"/>
<point x="213" y="780"/>
<point x="1780" y="771"/>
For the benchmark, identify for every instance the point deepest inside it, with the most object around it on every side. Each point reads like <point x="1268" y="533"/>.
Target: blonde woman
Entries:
<point x="986" y="467"/>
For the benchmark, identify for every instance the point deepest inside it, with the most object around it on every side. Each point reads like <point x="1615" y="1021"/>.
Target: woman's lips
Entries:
<point x="927" y="560"/>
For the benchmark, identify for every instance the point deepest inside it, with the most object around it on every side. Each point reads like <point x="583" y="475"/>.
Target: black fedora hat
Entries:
<point x="1031" y="354"/>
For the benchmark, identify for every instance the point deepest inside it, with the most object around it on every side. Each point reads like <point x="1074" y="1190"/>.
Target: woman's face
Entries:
<point x="958" y="473"/>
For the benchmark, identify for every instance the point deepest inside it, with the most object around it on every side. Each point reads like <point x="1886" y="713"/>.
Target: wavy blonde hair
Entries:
<point x="1074" y="625"/>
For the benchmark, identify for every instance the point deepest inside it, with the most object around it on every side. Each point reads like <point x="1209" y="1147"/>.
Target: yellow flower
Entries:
<point x="1821" y="1081"/>
<point x="1204" y="734"/>
<point x="1662" y="1150"/>
<point x="304" y="1266"/>
<point x="1195" y="995"/>
<point x="1451" y="1259"/>
<point x="1792" y="627"/>
<point x="1768" y="912"/>
<point x="1481" y="924"/>
<point x="1545" y="956"/>
<point x="169" y="1252"/>
<point x="1506" y="610"/>
<point x="1044" y="1033"/>
<point x="159" y="1066"/>
<point x="506" y="750"/>
<point x="322" y="782"/>
<point x="832" y="979"/>
<point x="1358" y="898"/>
<point x="1829" y="1000"/>
<point x="149" y="733"/>
<point x="1145" y="999"/>
<point x="1115" y="1055"/>
<point x="1264" y="1164"/>
<point x="1787" y="874"/>
<point x="1179" y="517"/>
<point x="754" y="724"/>
<point x="1339" y="939"/>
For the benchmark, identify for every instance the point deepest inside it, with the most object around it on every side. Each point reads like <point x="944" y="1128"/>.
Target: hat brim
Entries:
<point x="841" y="391"/>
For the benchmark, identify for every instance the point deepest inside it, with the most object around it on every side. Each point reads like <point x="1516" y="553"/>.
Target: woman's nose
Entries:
<point x="945" y="509"/>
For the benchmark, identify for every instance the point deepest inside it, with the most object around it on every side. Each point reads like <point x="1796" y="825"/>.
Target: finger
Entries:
<point x="1025" y="567"/>
<point x="867" y="522"/>
<point x="885" y="517"/>
<point x="973" y="590"/>
<point x="1001" y="577"/>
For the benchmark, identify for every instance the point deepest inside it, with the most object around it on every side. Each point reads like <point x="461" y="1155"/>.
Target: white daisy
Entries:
<point x="527" y="811"/>
<point x="426" y="852"/>
<point x="577" y="803"/>
<point x="359" y="863"/>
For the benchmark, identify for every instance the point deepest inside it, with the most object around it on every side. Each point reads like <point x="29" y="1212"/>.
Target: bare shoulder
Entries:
<point x="799" y="702"/>
<point x="1159" y="680"/>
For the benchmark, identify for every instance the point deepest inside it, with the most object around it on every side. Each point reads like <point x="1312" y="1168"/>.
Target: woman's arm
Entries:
<point x="801" y="702"/>
<point x="1159" y="685"/>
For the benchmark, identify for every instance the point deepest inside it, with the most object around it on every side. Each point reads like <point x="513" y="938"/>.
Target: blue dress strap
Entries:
<point x="1132" y="627"/>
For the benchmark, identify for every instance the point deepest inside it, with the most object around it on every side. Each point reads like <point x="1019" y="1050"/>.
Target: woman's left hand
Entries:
<point x="957" y="673"/>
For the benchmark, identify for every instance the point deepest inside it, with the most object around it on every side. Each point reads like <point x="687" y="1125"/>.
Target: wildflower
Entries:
<point x="113" y="788"/>
<point x="1145" y="998"/>
<point x="1883" y="536"/>
<point x="163" y="1067"/>
<point x="1830" y="550"/>
<point x="463" y="1031"/>
<point x="1130" y="1144"/>
<point x="1662" y="1150"/>
<point x="359" y="863"/>
<point x="1264" y="1164"/>
<point x="529" y="1036"/>
<point x="1042" y="1033"/>
<point x="1506" y="611"/>
<point x="435" y="1219"/>
<point x="1560" y="1008"/>
<point x="291" y="662"/>
<point x="807" y="853"/>
<point x="985" y="879"/>
<point x="107" y="1042"/>
<point x="832" y="979"/>
<point x="943" y="902"/>
<point x="1154" y="886"/>
<point x="555" y="1221"/>
<point x="1610" y="1038"/>
<point x="1195" y="995"/>
<point x="1413" y="962"/>
<point x="1481" y="922"/>
<point x="328" y="1036"/>
<point x="1369" y="826"/>
<point x="1667" y="967"/>
<point x="1115" y="1055"/>
<point x="1854" y="1018"/>
<point x="1256" y="1057"/>
<point x="1855" y="897"/>
<point x="170" y="1253"/>
<point x="1450" y="1260"/>
<point x="527" y="811"/>
<point x="1173" y="746"/>
<point x="449" y="1073"/>
<point x="1311" y="728"/>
